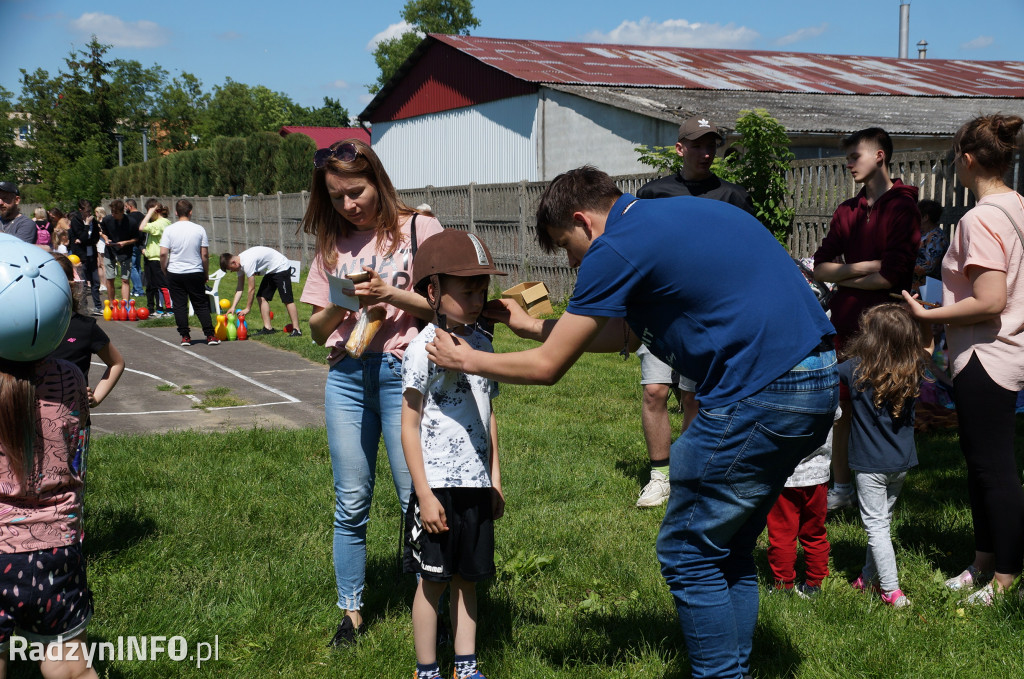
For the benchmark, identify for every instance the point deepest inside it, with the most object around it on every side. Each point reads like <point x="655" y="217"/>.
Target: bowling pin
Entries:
<point x="132" y="316"/>
<point x="108" y="313"/>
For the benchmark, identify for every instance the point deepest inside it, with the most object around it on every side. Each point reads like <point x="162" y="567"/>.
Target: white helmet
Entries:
<point x="35" y="301"/>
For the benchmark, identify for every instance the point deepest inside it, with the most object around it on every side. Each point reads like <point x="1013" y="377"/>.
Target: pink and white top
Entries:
<point x="984" y="237"/>
<point x="46" y="512"/>
<point x="360" y="249"/>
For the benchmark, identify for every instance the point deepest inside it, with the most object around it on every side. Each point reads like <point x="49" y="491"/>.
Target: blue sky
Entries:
<point x="314" y="49"/>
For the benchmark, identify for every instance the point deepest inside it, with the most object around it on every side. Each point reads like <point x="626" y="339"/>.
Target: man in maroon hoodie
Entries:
<point x="875" y="235"/>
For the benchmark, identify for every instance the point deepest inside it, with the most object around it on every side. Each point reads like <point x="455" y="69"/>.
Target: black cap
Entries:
<point x="9" y="187"/>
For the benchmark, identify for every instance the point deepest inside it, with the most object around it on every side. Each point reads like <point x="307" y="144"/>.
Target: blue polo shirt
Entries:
<point x="708" y="290"/>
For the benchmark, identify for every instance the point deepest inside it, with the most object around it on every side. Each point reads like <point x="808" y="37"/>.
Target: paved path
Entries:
<point x="279" y="388"/>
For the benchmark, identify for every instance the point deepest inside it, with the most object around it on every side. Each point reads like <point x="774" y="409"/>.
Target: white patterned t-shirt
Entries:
<point x="455" y="432"/>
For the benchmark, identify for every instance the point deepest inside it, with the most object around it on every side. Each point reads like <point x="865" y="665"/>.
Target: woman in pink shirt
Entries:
<point x="360" y="224"/>
<point x="983" y="308"/>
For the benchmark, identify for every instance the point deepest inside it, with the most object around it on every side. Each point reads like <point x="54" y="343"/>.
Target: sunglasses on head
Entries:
<point x="346" y="153"/>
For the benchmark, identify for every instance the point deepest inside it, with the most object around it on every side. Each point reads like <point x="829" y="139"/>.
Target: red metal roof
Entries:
<point x="325" y="136"/>
<point x="539" y="61"/>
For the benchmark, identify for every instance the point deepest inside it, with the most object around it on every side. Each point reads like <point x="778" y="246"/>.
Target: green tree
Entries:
<point x="331" y="114"/>
<point x="760" y="167"/>
<point x="293" y="164"/>
<point x="85" y="178"/>
<point x="451" y="17"/>
<point x="239" y="110"/>
<point x="178" y="108"/>
<point x="9" y="165"/>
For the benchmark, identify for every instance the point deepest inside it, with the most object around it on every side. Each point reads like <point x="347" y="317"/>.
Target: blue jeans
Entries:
<point x="726" y="472"/>
<point x="363" y="400"/>
<point x="136" y="274"/>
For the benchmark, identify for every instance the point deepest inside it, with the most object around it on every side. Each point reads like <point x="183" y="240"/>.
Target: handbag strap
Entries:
<point x="1012" y="220"/>
<point x="412" y="235"/>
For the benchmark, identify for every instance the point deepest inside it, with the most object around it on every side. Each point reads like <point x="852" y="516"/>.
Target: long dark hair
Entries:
<point x="328" y="225"/>
<point x="17" y="414"/>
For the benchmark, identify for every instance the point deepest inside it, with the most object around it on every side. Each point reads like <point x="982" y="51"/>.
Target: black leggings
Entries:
<point x="987" y="415"/>
<point x="154" y="283"/>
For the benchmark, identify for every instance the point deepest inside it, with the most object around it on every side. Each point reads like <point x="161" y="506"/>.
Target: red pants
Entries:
<point x="799" y="513"/>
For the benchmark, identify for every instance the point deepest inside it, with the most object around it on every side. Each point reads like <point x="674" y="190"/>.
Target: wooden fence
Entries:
<point x="503" y="214"/>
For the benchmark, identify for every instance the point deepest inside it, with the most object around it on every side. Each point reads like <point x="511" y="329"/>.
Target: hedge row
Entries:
<point x="262" y="163"/>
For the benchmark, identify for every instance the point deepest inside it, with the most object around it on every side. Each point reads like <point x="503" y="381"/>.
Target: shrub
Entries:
<point x="260" y="151"/>
<point x="294" y="163"/>
<point x="229" y="164"/>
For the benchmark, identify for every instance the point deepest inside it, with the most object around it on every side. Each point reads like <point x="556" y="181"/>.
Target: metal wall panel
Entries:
<point x="486" y="143"/>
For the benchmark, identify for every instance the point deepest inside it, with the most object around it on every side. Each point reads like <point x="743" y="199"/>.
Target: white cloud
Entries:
<point x="338" y="85"/>
<point x="392" y="31"/>
<point x="365" y="98"/>
<point x="802" y="34"/>
<point x="676" y="33"/>
<point x="112" y="30"/>
<point x="978" y="43"/>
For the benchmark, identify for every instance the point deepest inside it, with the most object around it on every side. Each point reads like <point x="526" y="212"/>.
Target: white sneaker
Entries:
<point x="838" y="499"/>
<point x="655" y="492"/>
<point x="969" y="579"/>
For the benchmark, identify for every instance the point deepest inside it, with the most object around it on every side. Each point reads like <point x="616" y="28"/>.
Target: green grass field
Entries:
<point x="227" y="536"/>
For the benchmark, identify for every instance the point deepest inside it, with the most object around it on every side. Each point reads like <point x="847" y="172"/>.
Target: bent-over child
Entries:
<point x="450" y="440"/>
<point x="883" y="372"/>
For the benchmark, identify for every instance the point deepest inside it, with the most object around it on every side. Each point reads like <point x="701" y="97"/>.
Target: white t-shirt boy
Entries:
<point x="455" y="432"/>
<point x="262" y="260"/>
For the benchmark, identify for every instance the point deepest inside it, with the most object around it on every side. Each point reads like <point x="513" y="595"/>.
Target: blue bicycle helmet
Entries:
<point x="35" y="301"/>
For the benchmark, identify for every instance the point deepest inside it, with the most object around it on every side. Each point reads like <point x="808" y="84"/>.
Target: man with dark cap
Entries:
<point x="11" y="220"/>
<point x="698" y="143"/>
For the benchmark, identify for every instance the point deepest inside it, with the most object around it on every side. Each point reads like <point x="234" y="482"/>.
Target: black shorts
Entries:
<point x="466" y="549"/>
<point x="44" y="594"/>
<point x="280" y="281"/>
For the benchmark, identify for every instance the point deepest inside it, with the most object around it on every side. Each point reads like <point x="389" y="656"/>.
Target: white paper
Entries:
<point x="340" y="298"/>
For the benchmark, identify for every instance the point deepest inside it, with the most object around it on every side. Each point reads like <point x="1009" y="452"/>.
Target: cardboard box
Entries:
<point x="532" y="296"/>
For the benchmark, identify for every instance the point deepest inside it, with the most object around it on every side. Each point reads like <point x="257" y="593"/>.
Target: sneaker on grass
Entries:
<point x="345" y="635"/>
<point x="805" y="591"/>
<point x="969" y="579"/>
<point x="655" y="492"/>
<point x="837" y="499"/>
<point x="266" y="331"/>
<point x="895" y="598"/>
<point x="295" y="333"/>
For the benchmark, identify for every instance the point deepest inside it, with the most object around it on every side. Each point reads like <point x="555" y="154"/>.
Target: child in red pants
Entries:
<point x="799" y="514"/>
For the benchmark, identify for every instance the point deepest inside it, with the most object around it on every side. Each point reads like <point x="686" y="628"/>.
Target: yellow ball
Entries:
<point x="74" y="259"/>
<point x="224" y="304"/>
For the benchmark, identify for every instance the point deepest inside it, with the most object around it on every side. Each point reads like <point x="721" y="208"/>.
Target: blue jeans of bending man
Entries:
<point x="363" y="401"/>
<point x="727" y="470"/>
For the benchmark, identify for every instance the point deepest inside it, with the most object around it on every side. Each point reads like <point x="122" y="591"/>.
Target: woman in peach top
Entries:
<point x="983" y="308"/>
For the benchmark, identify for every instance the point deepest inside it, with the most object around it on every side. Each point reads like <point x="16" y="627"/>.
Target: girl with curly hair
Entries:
<point x="883" y="371"/>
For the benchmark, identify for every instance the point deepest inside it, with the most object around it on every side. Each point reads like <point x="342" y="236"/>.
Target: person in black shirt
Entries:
<point x="117" y="232"/>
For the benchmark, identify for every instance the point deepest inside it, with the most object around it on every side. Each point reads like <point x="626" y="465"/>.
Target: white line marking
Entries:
<point x="155" y="377"/>
<point x="93" y="413"/>
<point x="246" y="378"/>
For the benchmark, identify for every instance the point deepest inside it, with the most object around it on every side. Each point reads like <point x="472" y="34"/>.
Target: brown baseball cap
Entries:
<point x="696" y="127"/>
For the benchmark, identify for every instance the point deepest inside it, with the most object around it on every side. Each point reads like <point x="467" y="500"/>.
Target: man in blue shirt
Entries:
<point x="711" y="292"/>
